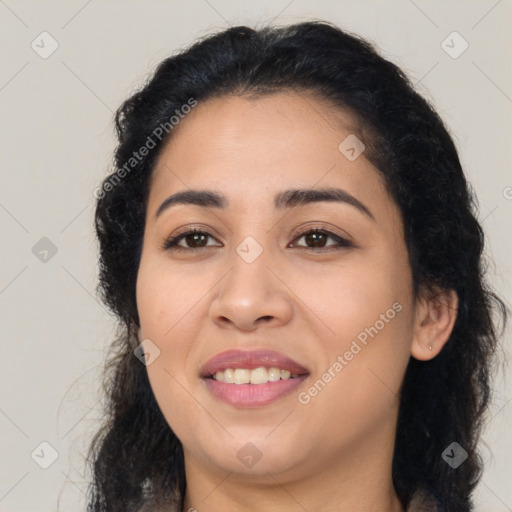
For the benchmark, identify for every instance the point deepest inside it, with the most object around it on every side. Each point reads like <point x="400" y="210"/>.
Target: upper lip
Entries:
<point x="251" y="359"/>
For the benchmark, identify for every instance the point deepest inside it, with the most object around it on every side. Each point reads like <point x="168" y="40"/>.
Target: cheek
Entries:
<point x="171" y="312"/>
<point x="166" y="298"/>
<point x="361" y="294"/>
<point x="369" y="314"/>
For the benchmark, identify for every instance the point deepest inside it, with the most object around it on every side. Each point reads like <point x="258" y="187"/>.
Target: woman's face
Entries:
<point x="337" y="303"/>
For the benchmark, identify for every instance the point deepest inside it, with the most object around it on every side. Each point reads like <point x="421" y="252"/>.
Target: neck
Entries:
<point x="356" y="482"/>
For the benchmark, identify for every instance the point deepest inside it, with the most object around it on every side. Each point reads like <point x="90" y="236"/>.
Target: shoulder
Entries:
<point x="422" y="502"/>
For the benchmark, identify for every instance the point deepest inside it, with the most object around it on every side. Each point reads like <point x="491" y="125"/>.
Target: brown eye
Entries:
<point x="318" y="239"/>
<point x="190" y="240"/>
<point x="196" y="240"/>
<point x="314" y="239"/>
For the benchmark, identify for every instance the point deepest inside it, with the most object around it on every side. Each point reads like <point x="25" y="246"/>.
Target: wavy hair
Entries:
<point x="136" y="460"/>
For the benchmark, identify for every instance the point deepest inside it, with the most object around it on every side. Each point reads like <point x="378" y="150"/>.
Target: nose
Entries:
<point x="251" y="295"/>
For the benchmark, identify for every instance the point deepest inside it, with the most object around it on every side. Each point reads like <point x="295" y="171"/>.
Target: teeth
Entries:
<point x="259" y="375"/>
<point x="229" y="376"/>
<point x="242" y="376"/>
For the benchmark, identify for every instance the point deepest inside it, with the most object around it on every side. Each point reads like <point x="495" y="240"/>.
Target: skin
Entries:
<point x="333" y="453"/>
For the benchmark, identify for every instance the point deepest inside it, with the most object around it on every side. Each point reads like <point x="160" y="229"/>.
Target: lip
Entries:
<point x="252" y="395"/>
<point x="250" y="359"/>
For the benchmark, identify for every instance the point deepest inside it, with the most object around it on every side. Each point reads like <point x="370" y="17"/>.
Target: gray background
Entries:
<point x="57" y="142"/>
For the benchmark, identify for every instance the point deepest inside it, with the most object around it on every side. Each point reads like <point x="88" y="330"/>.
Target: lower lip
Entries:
<point x="253" y="395"/>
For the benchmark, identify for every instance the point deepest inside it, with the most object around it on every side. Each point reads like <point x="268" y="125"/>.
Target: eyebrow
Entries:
<point x="283" y="200"/>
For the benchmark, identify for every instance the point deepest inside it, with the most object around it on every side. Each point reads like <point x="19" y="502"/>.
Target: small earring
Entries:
<point x="430" y="347"/>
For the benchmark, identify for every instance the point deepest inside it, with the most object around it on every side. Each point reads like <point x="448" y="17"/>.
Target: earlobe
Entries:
<point x="433" y="324"/>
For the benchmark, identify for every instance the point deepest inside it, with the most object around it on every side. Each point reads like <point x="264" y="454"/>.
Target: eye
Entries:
<point x="193" y="239"/>
<point x="317" y="239"/>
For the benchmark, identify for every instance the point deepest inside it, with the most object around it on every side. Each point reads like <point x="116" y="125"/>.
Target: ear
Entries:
<point x="433" y="323"/>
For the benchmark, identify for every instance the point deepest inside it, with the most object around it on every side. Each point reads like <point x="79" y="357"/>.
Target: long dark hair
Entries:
<point x="136" y="459"/>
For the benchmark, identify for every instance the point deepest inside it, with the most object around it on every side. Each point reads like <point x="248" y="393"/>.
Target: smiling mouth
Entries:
<point x="256" y="376"/>
<point x="252" y="378"/>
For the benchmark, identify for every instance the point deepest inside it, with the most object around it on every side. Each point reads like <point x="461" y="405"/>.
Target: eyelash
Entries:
<point x="342" y="243"/>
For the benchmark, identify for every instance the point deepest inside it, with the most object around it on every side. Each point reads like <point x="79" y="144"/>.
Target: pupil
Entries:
<point x="316" y="239"/>
<point x="192" y="239"/>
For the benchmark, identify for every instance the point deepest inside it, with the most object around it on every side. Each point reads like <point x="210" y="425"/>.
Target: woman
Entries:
<point x="290" y="246"/>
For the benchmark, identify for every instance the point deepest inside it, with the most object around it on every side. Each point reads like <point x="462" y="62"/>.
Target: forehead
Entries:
<point x="251" y="148"/>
